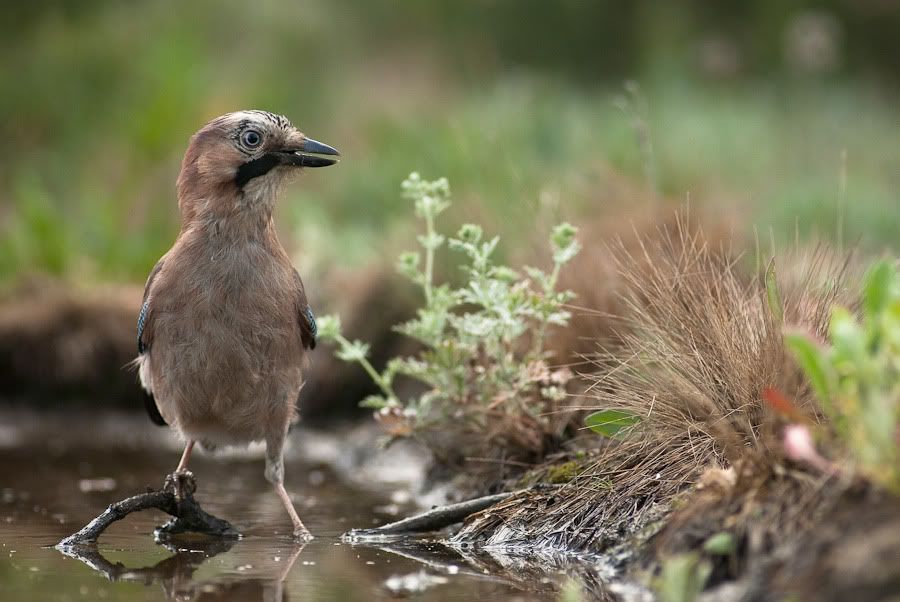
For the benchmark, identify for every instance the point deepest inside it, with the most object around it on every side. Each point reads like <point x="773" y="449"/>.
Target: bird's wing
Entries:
<point x="308" y="329"/>
<point x="144" y="338"/>
<point x="144" y="329"/>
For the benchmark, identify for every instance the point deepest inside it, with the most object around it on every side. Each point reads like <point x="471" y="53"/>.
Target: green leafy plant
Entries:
<point x="483" y="357"/>
<point x="856" y="375"/>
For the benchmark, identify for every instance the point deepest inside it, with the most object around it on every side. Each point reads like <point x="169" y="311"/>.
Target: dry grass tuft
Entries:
<point x="698" y="346"/>
<point x="702" y="345"/>
<point x="599" y="307"/>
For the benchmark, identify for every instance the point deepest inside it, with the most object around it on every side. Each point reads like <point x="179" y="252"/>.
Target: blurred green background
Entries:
<point x="783" y="114"/>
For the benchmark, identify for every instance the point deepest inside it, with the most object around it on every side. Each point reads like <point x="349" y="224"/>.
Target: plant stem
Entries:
<point x="429" y="255"/>
<point x="373" y="373"/>
<point x="542" y="331"/>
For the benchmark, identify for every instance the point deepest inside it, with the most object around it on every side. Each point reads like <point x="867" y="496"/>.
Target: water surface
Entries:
<point x="57" y="474"/>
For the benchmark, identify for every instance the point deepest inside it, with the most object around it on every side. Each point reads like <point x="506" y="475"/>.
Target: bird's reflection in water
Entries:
<point x="176" y="573"/>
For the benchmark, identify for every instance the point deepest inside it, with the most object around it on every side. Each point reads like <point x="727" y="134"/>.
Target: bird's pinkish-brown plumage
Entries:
<point x="226" y="324"/>
<point x="226" y="346"/>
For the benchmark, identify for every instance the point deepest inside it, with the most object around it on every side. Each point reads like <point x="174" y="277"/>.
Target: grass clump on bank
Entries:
<point x="706" y="459"/>
<point x="697" y="346"/>
<point x="487" y="387"/>
<point x="792" y="518"/>
<point x="699" y="479"/>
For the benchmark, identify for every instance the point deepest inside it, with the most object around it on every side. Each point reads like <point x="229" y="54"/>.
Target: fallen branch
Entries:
<point x="176" y="499"/>
<point x="432" y="520"/>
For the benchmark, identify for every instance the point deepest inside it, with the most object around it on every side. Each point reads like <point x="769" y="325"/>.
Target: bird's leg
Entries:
<point x="182" y="475"/>
<point x="275" y="475"/>
<point x="185" y="457"/>
<point x="300" y="529"/>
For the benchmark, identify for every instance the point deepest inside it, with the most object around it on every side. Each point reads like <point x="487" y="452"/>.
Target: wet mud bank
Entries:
<point x="787" y="535"/>
<point x="63" y="346"/>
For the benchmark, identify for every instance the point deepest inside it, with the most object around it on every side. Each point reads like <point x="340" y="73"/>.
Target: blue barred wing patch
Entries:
<point x="142" y="319"/>
<point x="311" y="320"/>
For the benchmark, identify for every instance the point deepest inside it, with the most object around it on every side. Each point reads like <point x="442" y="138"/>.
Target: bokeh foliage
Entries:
<point x="515" y="102"/>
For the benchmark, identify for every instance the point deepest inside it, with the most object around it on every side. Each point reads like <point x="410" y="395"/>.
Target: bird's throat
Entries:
<point x="256" y="168"/>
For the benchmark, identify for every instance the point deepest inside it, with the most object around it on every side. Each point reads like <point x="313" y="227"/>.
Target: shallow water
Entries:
<point x="55" y="478"/>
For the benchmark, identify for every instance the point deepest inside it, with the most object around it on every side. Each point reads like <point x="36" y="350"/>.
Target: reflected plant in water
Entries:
<point x="483" y="361"/>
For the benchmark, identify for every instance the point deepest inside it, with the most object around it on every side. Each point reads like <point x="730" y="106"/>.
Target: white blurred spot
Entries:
<point x="413" y="583"/>
<point x="97" y="485"/>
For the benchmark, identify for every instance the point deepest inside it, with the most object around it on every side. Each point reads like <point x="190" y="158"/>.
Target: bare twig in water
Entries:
<point x="432" y="520"/>
<point x="176" y="498"/>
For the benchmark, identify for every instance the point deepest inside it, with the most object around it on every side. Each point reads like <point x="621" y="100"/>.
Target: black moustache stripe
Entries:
<point x="255" y="168"/>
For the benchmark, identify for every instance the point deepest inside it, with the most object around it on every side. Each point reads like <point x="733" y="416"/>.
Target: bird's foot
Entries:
<point x="301" y="533"/>
<point x="182" y="484"/>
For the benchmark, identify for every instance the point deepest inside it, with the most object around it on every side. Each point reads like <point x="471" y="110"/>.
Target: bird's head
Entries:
<point x="239" y="161"/>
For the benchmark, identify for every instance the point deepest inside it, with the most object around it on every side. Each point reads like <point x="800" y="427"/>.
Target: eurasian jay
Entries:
<point x="225" y="325"/>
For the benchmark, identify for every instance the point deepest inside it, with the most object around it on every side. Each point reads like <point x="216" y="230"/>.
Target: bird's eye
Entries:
<point x="251" y="138"/>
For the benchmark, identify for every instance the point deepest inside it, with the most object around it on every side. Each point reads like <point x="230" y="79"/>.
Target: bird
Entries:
<point x="225" y="328"/>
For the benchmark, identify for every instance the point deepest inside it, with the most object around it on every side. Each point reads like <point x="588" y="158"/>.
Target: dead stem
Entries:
<point x="431" y="520"/>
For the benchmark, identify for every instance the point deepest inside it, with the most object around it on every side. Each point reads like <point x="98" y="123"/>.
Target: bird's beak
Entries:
<point x="307" y="154"/>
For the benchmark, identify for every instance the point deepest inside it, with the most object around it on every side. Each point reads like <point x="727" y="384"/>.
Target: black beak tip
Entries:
<point x="315" y="161"/>
<point x="317" y="148"/>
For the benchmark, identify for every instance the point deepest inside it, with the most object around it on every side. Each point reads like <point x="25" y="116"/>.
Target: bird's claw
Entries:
<point x="302" y="534"/>
<point x="182" y="484"/>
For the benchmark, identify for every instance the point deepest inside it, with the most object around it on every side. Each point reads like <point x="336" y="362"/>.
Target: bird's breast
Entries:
<point x="231" y="307"/>
<point x="227" y="353"/>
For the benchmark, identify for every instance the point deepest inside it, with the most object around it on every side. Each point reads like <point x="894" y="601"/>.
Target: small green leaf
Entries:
<point x="539" y="276"/>
<point x="848" y="340"/>
<point x="375" y="402"/>
<point x="504" y="273"/>
<point x="355" y="351"/>
<point x="773" y="295"/>
<point x="470" y="233"/>
<point x="408" y="265"/>
<point x="682" y="578"/>
<point x="563" y="236"/>
<point x="877" y="291"/>
<point x="720" y="544"/>
<point x="329" y="327"/>
<point x="611" y="423"/>
<point x="814" y="365"/>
